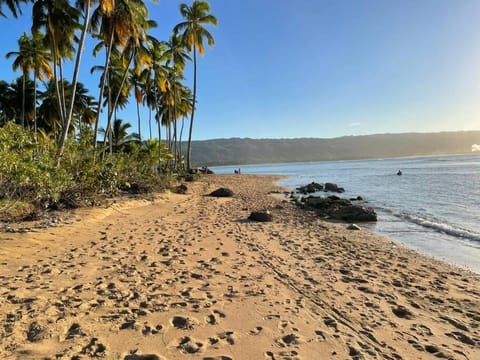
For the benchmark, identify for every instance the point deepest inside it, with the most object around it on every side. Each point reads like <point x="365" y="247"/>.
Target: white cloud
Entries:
<point x="475" y="147"/>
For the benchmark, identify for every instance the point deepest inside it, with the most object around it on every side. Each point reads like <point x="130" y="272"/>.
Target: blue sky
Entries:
<point x="323" y="68"/>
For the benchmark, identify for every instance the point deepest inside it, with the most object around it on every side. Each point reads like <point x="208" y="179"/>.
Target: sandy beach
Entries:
<point x="189" y="277"/>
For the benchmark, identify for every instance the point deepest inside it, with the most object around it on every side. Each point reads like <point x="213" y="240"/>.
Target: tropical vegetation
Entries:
<point x="60" y="144"/>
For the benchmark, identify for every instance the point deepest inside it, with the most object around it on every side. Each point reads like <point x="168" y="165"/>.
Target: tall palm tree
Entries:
<point x="176" y="60"/>
<point x="86" y="6"/>
<point x="32" y="56"/>
<point x="59" y="20"/>
<point x="194" y="33"/>
<point x="126" y="23"/>
<point x="23" y="62"/>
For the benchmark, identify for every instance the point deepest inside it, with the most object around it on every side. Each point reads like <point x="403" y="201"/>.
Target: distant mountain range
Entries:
<point x="259" y="151"/>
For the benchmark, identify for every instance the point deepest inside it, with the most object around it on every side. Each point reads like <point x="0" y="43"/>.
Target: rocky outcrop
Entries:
<point x="311" y="188"/>
<point x="336" y="208"/>
<point x="353" y="213"/>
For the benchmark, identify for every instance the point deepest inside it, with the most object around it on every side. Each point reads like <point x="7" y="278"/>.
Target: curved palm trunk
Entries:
<point x="189" y="146"/>
<point x="78" y="59"/>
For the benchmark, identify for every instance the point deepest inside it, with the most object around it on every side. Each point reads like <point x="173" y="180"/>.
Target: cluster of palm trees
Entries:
<point x="136" y="65"/>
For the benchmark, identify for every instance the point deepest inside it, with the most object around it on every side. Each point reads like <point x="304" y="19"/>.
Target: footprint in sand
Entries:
<point x="190" y="346"/>
<point x="227" y="336"/>
<point x="142" y="357"/>
<point x="184" y="323"/>
<point x="256" y="331"/>
<point x="288" y="340"/>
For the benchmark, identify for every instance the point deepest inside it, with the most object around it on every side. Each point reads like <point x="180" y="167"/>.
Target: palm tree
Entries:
<point x="126" y="24"/>
<point x="86" y="5"/>
<point x="24" y="62"/>
<point x="120" y="136"/>
<point x="11" y="99"/>
<point x="176" y="60"/>
<point x="32" y="56"/>
<point x="49" y="114"/>
<point x="193" y="34"/>
<point x="60" y="21"/>
<point x="13" y="6"/>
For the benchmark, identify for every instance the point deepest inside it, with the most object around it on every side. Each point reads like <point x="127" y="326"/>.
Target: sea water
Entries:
<point x="433" y="207"/>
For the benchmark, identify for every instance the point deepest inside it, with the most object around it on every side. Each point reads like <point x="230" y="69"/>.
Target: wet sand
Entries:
<point x="189" y="277"/>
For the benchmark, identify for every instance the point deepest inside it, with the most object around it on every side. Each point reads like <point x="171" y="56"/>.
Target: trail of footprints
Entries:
<point x="118" y="286"/>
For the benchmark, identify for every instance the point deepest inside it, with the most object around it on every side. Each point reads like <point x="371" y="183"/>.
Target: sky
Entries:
<point x="321" y="68"/>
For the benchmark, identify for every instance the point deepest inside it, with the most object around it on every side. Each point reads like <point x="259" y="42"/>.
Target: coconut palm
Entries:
<point x="176" y="60"/>
<point x="13" y="6"/>
<point x="59" y="20"/>
<point x="193" y="34"/>
<point x="49" y="114"/>
<point x="86" y="6"/>
<point x="32" y="56"/>
<point x="126" y="24"/>
<point x="12" y="97"/>
<point x="120" y="136"/>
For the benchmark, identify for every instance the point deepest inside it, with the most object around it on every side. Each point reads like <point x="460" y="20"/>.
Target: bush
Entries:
<point x="85" y="176"/>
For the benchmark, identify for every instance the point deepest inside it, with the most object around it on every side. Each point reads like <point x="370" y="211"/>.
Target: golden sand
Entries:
<point x="188" y="277"/>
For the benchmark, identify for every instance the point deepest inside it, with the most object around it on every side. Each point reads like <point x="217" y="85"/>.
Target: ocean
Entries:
<point x="433" y="207"/>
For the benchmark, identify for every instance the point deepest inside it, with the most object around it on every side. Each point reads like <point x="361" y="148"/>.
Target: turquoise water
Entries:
<point x="434" y="207"/>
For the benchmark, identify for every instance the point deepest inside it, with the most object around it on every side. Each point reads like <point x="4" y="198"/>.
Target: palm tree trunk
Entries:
<point x="78" y="59"/>
<point x="150" y="121"/>
<point x="180" y="140"/>
<point x="189" y="147"/>
<point x="57" y="89"/>
<point x="117" y="97"/>
<point x="22" y="119"/>
<point x="139" y="121"/>
<point x="62" y="99"/>
<point x="35" y="127"/>
<point x="102" y="88"/>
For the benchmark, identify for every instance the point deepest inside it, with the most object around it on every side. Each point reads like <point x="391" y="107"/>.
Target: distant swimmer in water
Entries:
<point x="399" y="172"/>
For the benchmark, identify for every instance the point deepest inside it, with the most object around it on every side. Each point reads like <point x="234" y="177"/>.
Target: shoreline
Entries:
<point x="452" y="239"/>
<point x="188" y="275"/>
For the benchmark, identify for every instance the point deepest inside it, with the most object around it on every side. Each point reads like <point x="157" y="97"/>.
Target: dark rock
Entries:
<point x="222" y="192"/>
<point x="181" y="189"/>
<point x="353" y="213"/>
<point x="333" y="188"/>
<point x="310" y="188"/>
<point x="262" y="216"/>
<point x="402" y="312"/>
<point x="339" y="209"/>
<point x="141" y="357"/>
